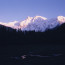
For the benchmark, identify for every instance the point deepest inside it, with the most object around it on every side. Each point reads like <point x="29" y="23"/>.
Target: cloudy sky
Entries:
<point x="11" y="10"/>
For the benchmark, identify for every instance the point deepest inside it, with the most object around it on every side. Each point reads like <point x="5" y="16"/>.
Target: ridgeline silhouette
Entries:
<point x="9" y="36"/>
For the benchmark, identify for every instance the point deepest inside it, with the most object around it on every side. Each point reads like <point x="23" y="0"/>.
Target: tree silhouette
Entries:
<point x="9" y="36"/>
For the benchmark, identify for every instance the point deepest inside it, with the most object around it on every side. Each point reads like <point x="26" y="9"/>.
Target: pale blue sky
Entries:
<point x="11" y="10"/>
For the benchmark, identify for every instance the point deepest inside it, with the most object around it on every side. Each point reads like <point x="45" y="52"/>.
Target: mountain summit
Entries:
<point x="37" y="23"/>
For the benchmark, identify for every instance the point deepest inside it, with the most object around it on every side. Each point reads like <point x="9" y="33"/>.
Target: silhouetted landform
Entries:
<point x="9" y="36"/>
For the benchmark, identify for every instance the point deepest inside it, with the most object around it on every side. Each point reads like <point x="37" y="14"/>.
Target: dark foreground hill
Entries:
<point x="14" y="45"/>
<point x="9" y="36"/>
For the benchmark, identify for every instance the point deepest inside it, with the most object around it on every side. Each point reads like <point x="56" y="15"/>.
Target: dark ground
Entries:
<point x="40" y="48"/>
<point x="11" y="55"/>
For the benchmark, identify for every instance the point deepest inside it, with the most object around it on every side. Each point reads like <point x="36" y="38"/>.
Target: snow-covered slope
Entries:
<point x="61" y="19"/>
<point x="37" y="23"/>
<point x="33" y="23"/>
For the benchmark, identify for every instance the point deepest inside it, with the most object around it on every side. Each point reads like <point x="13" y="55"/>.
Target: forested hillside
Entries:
<point x="9" y="36"/>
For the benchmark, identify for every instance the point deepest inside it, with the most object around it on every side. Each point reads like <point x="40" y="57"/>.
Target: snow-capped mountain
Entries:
<point x="37" y="23"/>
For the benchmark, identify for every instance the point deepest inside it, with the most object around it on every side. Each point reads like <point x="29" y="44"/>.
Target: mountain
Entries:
<point x="6" y="28"/>
<point x="37" y="23"/>
<point x="9" y="36"/>
<point x="33" y="30"/>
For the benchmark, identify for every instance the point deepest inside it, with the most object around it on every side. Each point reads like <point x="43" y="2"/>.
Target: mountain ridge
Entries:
<point x="37" y="23"/>
<point x="54" y="36"/>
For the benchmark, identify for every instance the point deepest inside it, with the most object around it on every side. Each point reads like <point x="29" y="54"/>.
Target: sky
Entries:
<point x="18" y="10"/>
